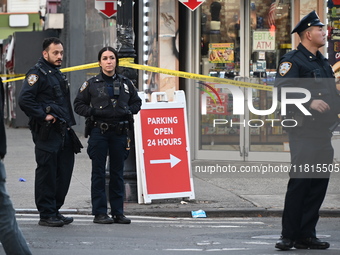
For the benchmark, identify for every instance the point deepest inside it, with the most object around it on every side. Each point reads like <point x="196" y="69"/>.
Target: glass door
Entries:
<point x="269" y="39"/>
<point x="221" y="24"/>
<point x="242" y="40"/>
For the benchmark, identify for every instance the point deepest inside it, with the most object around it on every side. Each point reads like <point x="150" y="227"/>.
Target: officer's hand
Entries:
<point x="319" y="105"/>
<point x="50" y="117"/>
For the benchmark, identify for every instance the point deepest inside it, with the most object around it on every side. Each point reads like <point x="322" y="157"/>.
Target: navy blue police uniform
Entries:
<point x="107" y="103"/>
<point x="46" y="91"/>
<point x="309" y="140"/>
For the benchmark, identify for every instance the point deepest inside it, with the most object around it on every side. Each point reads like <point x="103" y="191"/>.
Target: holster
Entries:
<point x="60" y="126"/>
<point x="122" y="127"/>
<point x="300" y="118"/>
<point x="44" y="130"/>
<point x="297" y="116"/>
<point x="88" y="126"/>
<point x="131" y="121"/>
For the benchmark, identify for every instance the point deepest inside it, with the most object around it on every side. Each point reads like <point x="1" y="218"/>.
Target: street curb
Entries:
<point x="180" y="213"/>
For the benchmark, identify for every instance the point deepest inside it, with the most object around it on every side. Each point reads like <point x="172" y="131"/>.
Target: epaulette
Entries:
<point x="40" y="68"/>
<point x="95" y="78"/>
<point x="289" y="54"/>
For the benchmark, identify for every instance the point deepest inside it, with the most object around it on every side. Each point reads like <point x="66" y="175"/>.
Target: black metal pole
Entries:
<point x="125" y="48"/>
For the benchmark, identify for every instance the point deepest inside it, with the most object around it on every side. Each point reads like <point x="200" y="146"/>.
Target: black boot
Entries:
<point x="121" y="219"/>
<point x="51" y="222"/>
<point x="284" y="244"/>
<point x="102" y="219"/>
<point x="311" y="243"/>
<point x="66" y="220"/>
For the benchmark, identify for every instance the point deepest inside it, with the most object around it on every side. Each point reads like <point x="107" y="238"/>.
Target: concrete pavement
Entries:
<point x="219" y="195"/>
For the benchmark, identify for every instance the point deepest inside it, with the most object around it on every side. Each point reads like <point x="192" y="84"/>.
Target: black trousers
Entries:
<point x="307" y="187"/>
<point x="99" y="146"/>
<point x="55" y="161"/>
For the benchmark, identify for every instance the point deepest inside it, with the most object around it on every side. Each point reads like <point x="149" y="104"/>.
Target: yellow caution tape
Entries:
<point x="200" y="77"/>
<point x="64" y="70"/>
<point x="80" y="67"/>
<point x="14" y="79"/>
<point x="128" y="62"/>
<point x="10" y="75"/>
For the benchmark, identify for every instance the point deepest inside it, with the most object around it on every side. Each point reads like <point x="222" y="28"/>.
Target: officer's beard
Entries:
<point x="56" y="63"/>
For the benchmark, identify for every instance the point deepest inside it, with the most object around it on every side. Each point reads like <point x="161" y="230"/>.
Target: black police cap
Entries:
<point x="311" y="19"/>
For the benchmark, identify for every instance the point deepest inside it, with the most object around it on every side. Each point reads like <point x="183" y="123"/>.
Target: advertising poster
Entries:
<point x="221" y="53"/>
<point x="217" y="108"/>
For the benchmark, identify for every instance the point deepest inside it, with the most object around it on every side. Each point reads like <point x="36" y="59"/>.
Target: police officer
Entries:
<point x="108" y="101"/>
<point x="310" y="136"/>
<point x="45" y="98"/>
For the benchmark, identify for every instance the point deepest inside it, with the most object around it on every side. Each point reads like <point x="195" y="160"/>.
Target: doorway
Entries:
<point x="242" y="40"/>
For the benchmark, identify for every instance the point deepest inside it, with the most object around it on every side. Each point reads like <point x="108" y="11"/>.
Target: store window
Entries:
<point x="270" y="39"/>
<point x="333" y="27"/>
<point x="265" y="35"/>
<point x="220" y="50"/>
<point x="160" y="47"/>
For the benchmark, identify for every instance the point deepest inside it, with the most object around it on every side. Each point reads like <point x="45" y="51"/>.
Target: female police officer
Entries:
<point x="108" y="101"/>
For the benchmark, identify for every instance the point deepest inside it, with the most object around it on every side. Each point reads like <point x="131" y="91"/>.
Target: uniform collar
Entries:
<point x="99" y="77"/>
<point x="49" y="68"/>
<point x="310" y="55"/>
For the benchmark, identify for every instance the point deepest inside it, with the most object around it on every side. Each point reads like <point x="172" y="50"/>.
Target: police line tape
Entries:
<point x="128" y="62"/>
<point x="11" y="75"/>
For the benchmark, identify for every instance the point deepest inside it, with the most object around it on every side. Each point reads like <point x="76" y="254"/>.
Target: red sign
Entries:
<point x="165" y="150"/>
<point x="192" y="4"/>
<point x="106" y="7"/>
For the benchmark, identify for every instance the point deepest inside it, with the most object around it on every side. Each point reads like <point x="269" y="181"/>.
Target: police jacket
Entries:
<point x="301" y="68"/>
<point x="93" y="99"/>
<point x="46" y="91"/>
<point x="2" y="124"/>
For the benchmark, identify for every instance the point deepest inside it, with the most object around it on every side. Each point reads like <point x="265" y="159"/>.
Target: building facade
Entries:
<point x="240" y="40"/>
<point x="236" y="40"/>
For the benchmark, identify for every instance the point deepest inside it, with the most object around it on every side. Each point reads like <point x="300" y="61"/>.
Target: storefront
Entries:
<point x="238" y="40"/>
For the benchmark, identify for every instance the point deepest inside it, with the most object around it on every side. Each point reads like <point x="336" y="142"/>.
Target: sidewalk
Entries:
<point x="219" y="195"/>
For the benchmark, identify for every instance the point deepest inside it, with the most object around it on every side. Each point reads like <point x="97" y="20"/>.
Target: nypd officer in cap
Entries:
<point x="310" y="136"/>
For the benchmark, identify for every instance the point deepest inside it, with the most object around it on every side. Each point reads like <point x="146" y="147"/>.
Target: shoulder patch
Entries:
<point x="126" y="88"/>
<point x="32" y="79"/>
<point x="284" y="68"/>
<point x="84" y="86"/>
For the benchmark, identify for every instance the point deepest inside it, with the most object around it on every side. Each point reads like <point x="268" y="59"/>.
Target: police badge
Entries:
<point x="284" y="68"/>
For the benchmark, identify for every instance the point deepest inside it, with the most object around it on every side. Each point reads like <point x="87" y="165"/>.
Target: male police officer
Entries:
<point x="310" y="139"/>
<point x="45" y="98"/>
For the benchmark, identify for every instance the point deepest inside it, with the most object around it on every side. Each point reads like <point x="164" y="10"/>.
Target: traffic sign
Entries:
<point x="192" y="4"/>
<point x="162" y="149"/>
<point x="106" y="7"/>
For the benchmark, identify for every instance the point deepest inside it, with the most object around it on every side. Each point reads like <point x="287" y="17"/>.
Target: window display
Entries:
<point x="266" y="38"/>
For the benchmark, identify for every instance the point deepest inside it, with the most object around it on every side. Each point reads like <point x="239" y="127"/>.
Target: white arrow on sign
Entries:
<point x="173" y="161"/>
